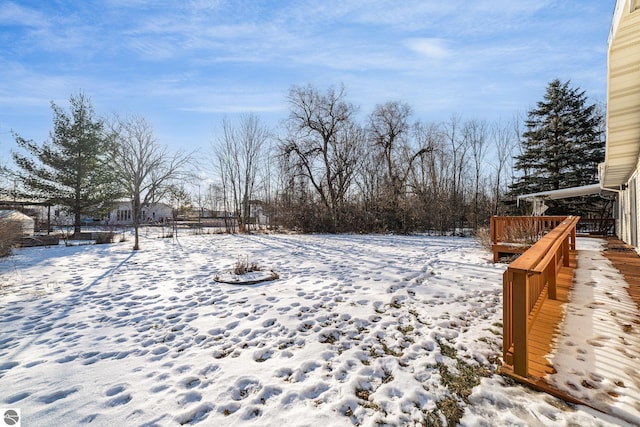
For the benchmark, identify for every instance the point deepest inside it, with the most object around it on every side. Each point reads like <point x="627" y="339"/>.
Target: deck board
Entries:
<point x="547" y="323"/>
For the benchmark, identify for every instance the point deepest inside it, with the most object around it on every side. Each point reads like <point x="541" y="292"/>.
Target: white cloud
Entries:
<point x="433" y="48"/>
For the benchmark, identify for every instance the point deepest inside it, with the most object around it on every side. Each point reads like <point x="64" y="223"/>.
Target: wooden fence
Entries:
<point x="528" y="281"/>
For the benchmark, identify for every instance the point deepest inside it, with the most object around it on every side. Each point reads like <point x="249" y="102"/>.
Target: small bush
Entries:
<point x="243" y="266"/>
<point x="524" y="232"/>
<point x="105" y="237"/>
<point x="483" y="236"/>
<point x="10" y="234"/>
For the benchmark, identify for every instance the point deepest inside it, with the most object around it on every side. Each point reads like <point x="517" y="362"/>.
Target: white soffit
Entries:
<point x="623" y="98"/>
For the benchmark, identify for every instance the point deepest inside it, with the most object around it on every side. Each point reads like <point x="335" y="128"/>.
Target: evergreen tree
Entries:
<point x="562" y="146"/>
<point x="72" y="169"/>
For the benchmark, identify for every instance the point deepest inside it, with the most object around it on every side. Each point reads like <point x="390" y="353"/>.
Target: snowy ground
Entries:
<point x="357" y="330"/>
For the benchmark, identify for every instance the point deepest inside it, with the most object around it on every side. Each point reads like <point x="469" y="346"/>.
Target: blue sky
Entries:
<point x="184" y="65"/>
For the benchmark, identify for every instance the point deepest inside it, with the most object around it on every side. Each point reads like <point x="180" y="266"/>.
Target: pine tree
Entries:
<point x="72" y="169"/>
<point x="562" y="147"/>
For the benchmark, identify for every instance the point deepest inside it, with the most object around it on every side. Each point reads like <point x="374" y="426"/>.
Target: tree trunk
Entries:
<point x="76" y="222"/>
<point x="135" y="207"/>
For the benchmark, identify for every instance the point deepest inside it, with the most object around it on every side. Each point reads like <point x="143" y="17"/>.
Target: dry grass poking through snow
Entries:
<point x="459" y="380"/>
<point x="243" y="266"/>
<point x="483" y="237"/>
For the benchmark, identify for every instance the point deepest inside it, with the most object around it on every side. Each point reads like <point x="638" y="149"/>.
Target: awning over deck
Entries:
<point x="564" y="193"/>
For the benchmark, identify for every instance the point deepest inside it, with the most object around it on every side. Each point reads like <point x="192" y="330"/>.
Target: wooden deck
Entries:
<point x="547" y="323"/>
<point x="626" y="260"/>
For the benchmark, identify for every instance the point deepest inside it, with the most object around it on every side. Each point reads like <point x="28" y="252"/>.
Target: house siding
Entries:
<point x="621" y="169"/>
<point x="122" y="214"/>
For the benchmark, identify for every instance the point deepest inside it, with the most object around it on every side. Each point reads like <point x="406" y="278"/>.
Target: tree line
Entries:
<point x="325" y="168"/>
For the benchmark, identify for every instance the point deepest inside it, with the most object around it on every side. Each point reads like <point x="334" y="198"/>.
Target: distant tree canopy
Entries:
<point x="328" y="169"/>
<point x="71" y="170"/>
<point x="561" y="147"/>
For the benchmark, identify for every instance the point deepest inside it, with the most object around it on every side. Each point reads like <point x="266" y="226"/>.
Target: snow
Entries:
<point x="357" y="330"/>
<point x="599" y="346"/>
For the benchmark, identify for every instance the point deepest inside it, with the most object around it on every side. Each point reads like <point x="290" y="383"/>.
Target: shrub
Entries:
<point x="10" y="234"/>
<point x="483" y="236"/>
<point x="524" y="232"/>
<point x="105" y="237"/>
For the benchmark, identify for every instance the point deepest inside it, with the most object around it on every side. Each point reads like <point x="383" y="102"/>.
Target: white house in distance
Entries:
<point x="621" y="169"/>
<point x="25" y="222"/>
<point x="153" y="213"/>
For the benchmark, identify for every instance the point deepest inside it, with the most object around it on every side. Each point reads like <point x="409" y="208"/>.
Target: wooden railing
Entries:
<point x="597" y="226"/>
<point x="528" y="281"/>
<point x="504" y="227"/>
<point x="515" y="234"/>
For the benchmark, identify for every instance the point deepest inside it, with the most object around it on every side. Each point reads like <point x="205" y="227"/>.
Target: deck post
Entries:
<point x="507" y="301"/>
<point x="565" y="251"/>
<point x="493" y="231"/>
<point x="551" y="276"/>
<point x="520" y="327"/>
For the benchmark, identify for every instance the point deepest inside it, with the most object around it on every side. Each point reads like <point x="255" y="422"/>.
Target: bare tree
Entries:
<point x="428" y="175"/>
<point x="476" y="135"/>
<point x="144" y="168"/>
<point x="504" y="140"/>
<point x="239" y="151"/>
<point x="389" y="133"/>
<point x="458" y="151"/>
<point x="322" y="144"/>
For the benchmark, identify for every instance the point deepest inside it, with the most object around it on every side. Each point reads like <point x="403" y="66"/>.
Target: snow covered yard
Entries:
<point x="357" y="330"/>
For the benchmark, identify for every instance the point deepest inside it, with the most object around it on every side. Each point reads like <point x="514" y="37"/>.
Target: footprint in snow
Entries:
<point x="243" y="387"/>
<point x="188" y="397"/>
<point x="58" y="395"/>
<point x="314" y="391"/>
<point x="190" y="382"/>
<point x="263" y="355"/>
<point x="269" y="322"/>
<point x="229" y="409"/>
<point x="195" y="415"/>
<point x="208" y="370"/>
<point x="595" y="342"/>
<point x="267" y="393"/>
<point x="159" y="388"/>
<point x="8" y="365"/>
<point x="16" y="398"/>
<point x="251" y="413"/>
<point x="67" y="359"/>
<point x="122" y="399"/>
